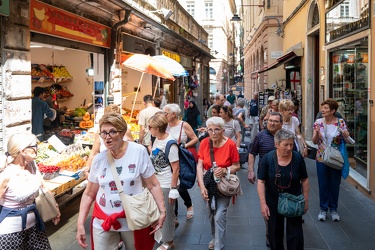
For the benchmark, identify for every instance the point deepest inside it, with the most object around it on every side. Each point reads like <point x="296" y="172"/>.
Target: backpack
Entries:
<point x="188" y="166"/>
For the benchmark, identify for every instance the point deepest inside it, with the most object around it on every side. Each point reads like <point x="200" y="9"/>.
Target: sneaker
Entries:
<point x="211" y="245"/>
<point x="322" y="215"/>
<point x="268" y="244"/>
<point x="335" y="216"/>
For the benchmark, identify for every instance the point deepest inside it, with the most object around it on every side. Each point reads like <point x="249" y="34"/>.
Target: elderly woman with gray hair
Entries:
<point x="21" y="226"/>
<point x="227" y="159"/>
<point x="282" y="170"/>
<point x="183" y="133"/>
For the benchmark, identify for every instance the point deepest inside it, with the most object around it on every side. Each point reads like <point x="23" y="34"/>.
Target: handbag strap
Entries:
<point x="179" y="137"/>
<point x="325" y="129"/>
<point x="119" y="187"/>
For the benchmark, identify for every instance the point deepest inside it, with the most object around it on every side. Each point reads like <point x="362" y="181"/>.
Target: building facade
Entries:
<point x="326" y="53"/>
<point x="105" y="29"/>
<point x="215" y="18"/>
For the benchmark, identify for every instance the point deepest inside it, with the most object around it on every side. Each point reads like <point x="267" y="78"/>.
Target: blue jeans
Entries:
<point x="218" y="220"/>
<point x="329" y="180"/>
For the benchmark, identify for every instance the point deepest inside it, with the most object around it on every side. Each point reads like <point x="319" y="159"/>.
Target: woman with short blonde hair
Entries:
<point x="291" y="123"/>
<point x="167" y="170"/>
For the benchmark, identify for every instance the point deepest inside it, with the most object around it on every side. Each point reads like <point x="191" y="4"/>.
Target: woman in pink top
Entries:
<point x="19" y="186"/>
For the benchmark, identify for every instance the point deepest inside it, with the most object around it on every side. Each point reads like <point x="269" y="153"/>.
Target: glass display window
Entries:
<point x="349" y="87"/>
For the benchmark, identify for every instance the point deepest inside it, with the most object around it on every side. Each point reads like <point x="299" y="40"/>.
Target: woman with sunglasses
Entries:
<point x="185" y="136"/>
<point x="232" y="127"/>
<point x="227" y="159"/>
<point x="282" y="170"/>
<point x="167" y="169"/>
<point x="20" y="181"/>
<point x="135" y="171"/>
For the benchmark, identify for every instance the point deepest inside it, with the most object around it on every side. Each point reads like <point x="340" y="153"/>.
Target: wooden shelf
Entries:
<point x="49" y="80"/>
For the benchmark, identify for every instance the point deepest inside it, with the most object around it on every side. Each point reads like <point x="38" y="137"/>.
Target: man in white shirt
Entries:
<point x="144" y="116"/>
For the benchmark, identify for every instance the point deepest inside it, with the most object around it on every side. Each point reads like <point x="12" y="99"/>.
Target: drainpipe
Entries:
<point x="116" y="39"/>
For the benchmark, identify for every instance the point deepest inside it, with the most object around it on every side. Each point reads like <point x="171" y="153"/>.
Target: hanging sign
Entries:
<point x="171" y="55"/>
<point x="4" y="8"/>
<point x="53" y="21"/>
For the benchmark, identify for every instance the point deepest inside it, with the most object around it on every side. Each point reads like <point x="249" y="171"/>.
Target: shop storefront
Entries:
<point x="68" y="55"/>
<point x="348" y="63"/>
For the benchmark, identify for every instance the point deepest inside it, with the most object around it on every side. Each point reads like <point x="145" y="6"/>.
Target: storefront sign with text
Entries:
<point x="52" y="21"/>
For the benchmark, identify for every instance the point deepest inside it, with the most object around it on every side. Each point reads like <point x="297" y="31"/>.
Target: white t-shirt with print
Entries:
<point x="131" y="167"/>
<point x="162" y="167"/>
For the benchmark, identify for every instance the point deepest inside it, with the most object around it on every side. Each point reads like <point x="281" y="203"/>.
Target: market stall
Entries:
<point x="61" y="166"/>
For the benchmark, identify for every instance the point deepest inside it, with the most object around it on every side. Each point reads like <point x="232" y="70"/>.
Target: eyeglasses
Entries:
<point x="216" y="130"/>
<point x="112" y="133"/>
<point x="33" y="147"/>
<point x="273" y="121"/>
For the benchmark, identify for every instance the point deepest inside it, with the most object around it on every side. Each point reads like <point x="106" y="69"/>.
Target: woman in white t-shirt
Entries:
<point x="291" y="123"/>
<point x="167" y="169"/>
<point x="135" y="171"/>
<point x="184" y="135"/>
<point x="232" y="126"/>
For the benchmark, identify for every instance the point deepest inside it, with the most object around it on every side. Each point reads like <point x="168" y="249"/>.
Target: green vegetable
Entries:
<point x="78" y="112"/>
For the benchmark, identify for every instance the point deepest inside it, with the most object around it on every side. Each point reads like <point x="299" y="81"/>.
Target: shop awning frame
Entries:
<point x="282" y="60"/>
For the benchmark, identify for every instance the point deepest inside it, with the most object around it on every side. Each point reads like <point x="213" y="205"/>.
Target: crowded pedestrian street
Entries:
<point x="245" y="224"/>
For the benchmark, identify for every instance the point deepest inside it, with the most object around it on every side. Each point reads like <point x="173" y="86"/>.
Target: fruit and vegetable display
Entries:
<point x="41" y="72"/>
<point x="72" y="158"/>
<point x="126" y="114"/>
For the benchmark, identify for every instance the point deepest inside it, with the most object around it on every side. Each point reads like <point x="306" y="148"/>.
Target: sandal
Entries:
<point x="190" y="214"/>
<point x="165" y="246"/>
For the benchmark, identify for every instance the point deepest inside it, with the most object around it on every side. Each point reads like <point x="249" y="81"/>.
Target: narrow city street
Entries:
<point x="245" y="225"/>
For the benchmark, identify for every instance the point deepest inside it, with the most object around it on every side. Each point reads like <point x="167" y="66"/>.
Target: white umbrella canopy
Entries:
<point x="173" y="66"/>
<point x="146" y="64"/>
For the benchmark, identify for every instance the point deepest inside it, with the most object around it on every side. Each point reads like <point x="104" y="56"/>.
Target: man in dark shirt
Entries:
<point x="39" y="108"/>
<point x="231" y="98"/>
<point x="262" y="144"/>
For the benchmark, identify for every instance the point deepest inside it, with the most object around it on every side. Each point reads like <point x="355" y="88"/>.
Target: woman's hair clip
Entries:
<point x="7" y="154"/>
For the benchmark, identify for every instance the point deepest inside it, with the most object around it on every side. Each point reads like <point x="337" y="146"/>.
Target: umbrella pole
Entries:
<point x="136" y="94"/>
<point x="157" y="85"/>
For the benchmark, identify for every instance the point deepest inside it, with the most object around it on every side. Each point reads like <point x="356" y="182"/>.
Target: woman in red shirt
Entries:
<point x="227" y="159"/>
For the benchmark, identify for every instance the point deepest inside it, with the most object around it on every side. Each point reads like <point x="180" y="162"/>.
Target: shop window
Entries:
<point x="349" y="87"/>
